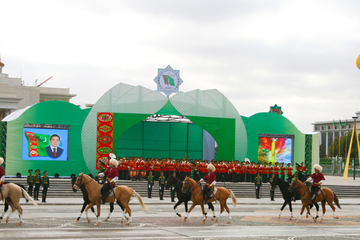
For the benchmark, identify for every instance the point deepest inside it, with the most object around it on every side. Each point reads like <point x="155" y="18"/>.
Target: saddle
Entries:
<point x="110" y="193"/>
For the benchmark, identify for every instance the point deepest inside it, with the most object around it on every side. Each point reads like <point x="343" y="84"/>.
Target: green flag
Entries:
<point x="340" y="122"/>
<point x="37" y="143"/>
<point x="347" y="123"/>
<point x="334" y="123"/>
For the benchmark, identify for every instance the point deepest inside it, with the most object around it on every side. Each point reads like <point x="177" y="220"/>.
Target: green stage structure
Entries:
<point x="237" y="137"/>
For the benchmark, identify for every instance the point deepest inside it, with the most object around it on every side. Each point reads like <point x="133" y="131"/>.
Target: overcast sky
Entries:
<point x="300" y="55"/>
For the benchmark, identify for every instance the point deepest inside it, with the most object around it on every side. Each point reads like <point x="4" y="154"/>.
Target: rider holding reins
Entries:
<point x="210" y="180"/>
<point x="316" y="179"/>
<point x="111" y="178"/>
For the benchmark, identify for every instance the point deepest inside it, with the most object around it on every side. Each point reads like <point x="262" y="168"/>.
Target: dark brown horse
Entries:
<point x="122" y="196"/>
<point x="197" y="198"/>
<point x="326" y="195"/>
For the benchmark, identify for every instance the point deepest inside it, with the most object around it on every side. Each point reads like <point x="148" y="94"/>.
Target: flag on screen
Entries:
<point x="37" y="143"/>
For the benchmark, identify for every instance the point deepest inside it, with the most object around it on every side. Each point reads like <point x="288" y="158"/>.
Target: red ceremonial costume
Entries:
<point x="2" y="173"/>
<point x="209" y="178"/>
<point x="111" y="173"/>
<point x="317" y="177"/>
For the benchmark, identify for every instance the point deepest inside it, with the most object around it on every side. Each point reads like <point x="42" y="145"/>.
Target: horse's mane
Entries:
<point x="192" y="181"/>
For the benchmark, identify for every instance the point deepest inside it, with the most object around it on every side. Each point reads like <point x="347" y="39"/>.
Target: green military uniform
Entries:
<point x="37" y="182"/>
<point x="30" y="183"/>
<point x="258" y="184"/>
<point x="45" y="182"/>
<point x="99" y="179"/>
<point x="272" y="191"/>
<point x="194" y="174"/>
<point x="150" y="184"/>
<point x="162" y="182"/>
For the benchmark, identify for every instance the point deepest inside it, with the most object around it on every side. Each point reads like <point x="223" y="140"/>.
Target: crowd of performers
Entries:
<point x="234" y="171"/>
<point x="217" y="171"/>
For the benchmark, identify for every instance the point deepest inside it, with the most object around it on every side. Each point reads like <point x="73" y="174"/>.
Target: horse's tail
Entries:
<point x="233" y="198"/>
<point x="336" y="200"/>
<point x="27" y="196"/>
<point x="140" y="200"/>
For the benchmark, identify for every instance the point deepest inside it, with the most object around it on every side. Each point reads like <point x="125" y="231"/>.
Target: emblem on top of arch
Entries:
<point x="168" y="80"/>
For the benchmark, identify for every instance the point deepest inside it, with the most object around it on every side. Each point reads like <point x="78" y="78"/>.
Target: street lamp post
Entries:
<point x="355" y="145"/>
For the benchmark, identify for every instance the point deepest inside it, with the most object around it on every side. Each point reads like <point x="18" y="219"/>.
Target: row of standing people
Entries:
<point x="37" y="182"/>
<point x="233" y="171"/>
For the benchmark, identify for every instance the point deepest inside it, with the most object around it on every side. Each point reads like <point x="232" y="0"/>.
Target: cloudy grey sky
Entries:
<point x="300" y="55"/>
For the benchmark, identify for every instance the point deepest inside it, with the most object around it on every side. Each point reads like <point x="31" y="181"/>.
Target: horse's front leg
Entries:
<point x="291" y="212"/>
<point x="191" y="208"/>
<point x="203" y="212"/>
<point x="86" y="211"/>
<point x="98" y="214"/>
<point x="111" y="210"/>
<point x="211" y="206"/>
<point x="176" y="205"/>
<point x="282" y="208"/>
<point x="301" y="212"/>
<point x="81" y="211"/>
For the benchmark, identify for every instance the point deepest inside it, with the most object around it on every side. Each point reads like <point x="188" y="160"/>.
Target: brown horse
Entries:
<point x="326" y="195"/>
<point x="122" y="196"/>
<point x="12" y="194"/>
<point x="222" y="194"/>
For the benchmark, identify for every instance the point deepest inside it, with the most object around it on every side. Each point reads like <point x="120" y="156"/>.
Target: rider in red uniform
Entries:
<point x="316" y="180"/>
<point x="210" y="180"/>
<point x="111" y="178"/>
<point x="2" y="173"/>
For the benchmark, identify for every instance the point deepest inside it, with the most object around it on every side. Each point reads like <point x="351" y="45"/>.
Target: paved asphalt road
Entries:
<point x="251" y="219"/>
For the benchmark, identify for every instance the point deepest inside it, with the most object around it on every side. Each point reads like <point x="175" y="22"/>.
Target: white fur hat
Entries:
<point x="1" y="160"/>
<point x="318" y="167"/>
<point x="211" y="167"/>
<point x="114" y="162"/>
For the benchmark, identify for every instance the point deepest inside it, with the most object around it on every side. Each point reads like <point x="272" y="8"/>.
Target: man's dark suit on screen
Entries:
<point x="50" y="151"/>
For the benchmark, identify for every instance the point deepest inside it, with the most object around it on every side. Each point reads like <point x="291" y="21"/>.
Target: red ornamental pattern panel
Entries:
<point x="104" y="136"/>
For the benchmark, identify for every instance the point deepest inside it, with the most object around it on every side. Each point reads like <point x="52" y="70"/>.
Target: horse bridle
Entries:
<point x="80" y="179"/>
<point x="292" y="188"/>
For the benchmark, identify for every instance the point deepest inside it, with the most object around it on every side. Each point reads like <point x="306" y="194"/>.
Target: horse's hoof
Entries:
<point x="7" y="220"/>
<point x="297" y="221"/>
<point x="212" y="219"/>
<point x="228" y="222"/>
<point x="76" y="220"/>
<point x="127" y="224"/>
<point x="96" y="224"/>
<point x="315" y="220"/>
<point x="336" y="217"/>
<point x="205" y="217"/>
<point x="289" y="218"/>
<point x="203" y="222"/>
<point x="180" y="215"/>
<point x="18" y="224"/>
<point x="278" y="217"/>
<point x="216" y="220"/>
<point x="122" y="221"/>
<point x="185" y="219"/>
<point x="88" y="220"/>
<point x="320" y="221"/>
<point x="127" y="218"/>
<point x="106" y="219"/>
<point x="307" y="216"/>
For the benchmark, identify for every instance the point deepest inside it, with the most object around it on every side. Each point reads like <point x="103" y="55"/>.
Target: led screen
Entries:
<point x="276" y="148"/>
<point x="45" y="142"/>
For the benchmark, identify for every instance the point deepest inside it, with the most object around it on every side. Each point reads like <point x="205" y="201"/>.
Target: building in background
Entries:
<point x="334" y="128"/>
<point x="14" y="95"/>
